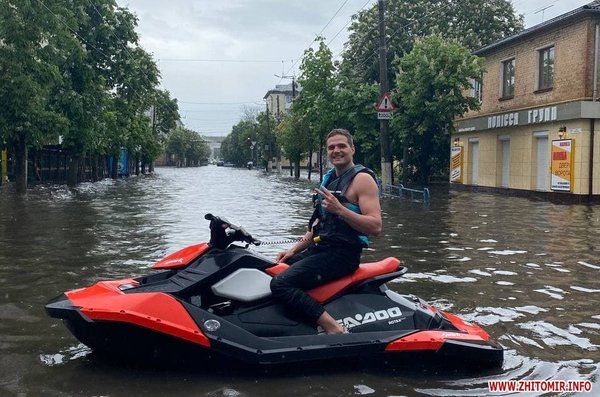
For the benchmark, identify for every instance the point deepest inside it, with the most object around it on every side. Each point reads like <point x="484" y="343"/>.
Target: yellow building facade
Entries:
<point x="537" y="128"/>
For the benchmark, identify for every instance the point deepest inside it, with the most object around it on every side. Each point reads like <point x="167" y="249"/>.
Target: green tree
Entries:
<point x="31" y="42"/>
<point x="237" y="148"/>
<point x="315" y="103"/>
<point x="355" y="110"/>
<point x="407" y="22"/>
<point x="266" y="138"/>
<point x="292" y="134"/>
<point x="431" y="82"/>
<point x="474" y="23"/>
<point x="188" y="147"/>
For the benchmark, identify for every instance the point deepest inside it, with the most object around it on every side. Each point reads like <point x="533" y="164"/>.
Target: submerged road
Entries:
<point x="525" y="270"/>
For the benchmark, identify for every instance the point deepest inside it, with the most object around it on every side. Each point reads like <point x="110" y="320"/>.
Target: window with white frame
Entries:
<point x="546" y="68"/>
<point x="477" y="89"/>
<point x="508" y="78"/>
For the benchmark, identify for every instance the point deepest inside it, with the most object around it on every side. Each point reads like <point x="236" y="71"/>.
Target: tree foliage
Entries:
<point x="315" y="104"/>
<point x="188" y="147"/>
<point x="75" y="70"/>
<point x="474" y="23"/>
<point x="431" y="83"/>
<point x="407" y="23"/>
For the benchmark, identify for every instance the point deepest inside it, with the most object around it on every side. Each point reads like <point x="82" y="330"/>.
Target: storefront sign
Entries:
<point x="562" y="165"/>
<point x="503" y="120"/>
<point x="456" y="164"/>
<point x="542" y="115"/>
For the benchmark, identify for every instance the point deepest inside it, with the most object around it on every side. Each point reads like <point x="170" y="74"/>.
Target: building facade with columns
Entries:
<point x="537" y="128"/>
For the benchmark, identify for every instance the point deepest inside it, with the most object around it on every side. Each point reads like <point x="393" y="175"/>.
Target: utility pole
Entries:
<point x="384" y="124"/>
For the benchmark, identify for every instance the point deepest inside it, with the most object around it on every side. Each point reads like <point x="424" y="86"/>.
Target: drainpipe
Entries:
<point x="592" y="121"/>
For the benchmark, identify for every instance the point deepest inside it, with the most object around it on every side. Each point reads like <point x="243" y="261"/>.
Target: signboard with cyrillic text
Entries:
<point x="456" y="164"/>
<point x="562" y="165"/>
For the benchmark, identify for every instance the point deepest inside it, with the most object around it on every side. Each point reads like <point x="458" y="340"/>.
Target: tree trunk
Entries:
<point x="114" y="172"/>
<point x="137" y="165"/>
<point x="20" y="164"/>
<point x="424" y="158"/>
<point x="296" y="169"/>
<point x="151" y="167"/>
<point x="94" y="161"/>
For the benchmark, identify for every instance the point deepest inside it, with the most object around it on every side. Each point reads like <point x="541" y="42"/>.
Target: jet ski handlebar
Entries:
<point x="223" y="233"/>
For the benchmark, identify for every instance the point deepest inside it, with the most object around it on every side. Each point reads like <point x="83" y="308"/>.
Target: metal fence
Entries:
<point x="400" y="191"/>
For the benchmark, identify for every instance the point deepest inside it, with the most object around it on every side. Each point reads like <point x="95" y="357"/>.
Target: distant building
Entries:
<point x="537" y="129"/>
<point x="214" y="142"/>
<point x="279" y="100"/>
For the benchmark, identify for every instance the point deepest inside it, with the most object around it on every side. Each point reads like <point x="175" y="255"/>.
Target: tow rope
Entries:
<point x="283" y="241"/>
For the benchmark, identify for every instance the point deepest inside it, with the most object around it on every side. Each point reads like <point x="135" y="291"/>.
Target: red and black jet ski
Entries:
<point x="213" y="301"/>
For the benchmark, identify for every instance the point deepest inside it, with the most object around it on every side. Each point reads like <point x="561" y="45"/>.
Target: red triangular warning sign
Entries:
<point x="385" y="103"/>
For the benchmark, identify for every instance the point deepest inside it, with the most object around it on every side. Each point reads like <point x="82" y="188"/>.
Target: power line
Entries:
<point x="334" y="15"/>
<point x="401" y="27"/>
<point x="347" y="23"/>
<point x="311" y="43"/>
<point x="72" y="30"/>
<point x="219" y="60"/>
<point x="221" y="103"/>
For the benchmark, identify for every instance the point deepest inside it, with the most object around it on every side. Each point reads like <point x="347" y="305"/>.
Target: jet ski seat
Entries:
<point x="364" y="272"/>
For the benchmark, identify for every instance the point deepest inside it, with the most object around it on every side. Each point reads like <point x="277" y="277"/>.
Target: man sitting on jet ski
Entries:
<point x="346" y="211"/>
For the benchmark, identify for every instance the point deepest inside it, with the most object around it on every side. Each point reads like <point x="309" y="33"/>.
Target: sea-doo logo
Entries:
<point x="370" y="317"/>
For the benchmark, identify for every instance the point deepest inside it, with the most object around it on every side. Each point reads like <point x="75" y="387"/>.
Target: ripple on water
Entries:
<point x="507" y="252"/>
<point x="552" y="292"/>
<point x="589" y="265"/>
<point x="441" y="278"/>
<point x="552" y="335"/>
<point x="62" y="357"/>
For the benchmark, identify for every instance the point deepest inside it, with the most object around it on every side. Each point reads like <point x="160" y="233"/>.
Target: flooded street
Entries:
<point x="527" y="271"/>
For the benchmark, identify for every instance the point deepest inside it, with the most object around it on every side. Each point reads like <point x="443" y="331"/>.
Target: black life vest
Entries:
<point x="332" y="229"/>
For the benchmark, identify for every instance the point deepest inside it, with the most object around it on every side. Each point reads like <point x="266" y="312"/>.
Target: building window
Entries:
<point x="546" y="68"/>
<point x="508" y="78"/>
<point x="477" y="90"/>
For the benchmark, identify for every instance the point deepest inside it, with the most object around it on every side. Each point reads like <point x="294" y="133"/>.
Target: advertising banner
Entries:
<point x="456" y="164"/>
<point x="562" y="165"/>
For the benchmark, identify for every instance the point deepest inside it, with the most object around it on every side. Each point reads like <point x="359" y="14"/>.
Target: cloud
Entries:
<point x="191" y="40"/>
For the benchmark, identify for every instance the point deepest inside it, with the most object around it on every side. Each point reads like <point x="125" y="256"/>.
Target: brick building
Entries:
<point x="537" y="129"/>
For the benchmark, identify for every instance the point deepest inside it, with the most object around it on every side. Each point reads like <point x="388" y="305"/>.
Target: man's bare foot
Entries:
<point x="329" y="324"/>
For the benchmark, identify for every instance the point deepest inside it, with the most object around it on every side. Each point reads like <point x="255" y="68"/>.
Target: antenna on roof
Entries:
<point x="542" y="10"/>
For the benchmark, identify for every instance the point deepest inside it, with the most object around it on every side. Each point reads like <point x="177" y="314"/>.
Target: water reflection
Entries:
<point x="525" y="270"/>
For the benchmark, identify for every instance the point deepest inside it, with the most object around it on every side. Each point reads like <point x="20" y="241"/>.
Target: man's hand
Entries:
<point x="284" y="255"/>
<point x="330" y="202"/>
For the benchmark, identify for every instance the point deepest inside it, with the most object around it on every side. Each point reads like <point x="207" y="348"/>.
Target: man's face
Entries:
<point x="339" y="151"/>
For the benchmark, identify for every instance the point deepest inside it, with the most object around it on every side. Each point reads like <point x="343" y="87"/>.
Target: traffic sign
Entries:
<point x="385" y="103"/>
<point x="384" y="115"/>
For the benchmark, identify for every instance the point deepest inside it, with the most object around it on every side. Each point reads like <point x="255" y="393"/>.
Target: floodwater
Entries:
<point x="527" y="271"/>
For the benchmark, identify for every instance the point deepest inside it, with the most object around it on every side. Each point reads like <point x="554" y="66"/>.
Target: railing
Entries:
<point x="404" y="192"/>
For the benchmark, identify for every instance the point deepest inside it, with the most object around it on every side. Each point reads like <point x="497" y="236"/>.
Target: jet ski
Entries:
<point x="212" y="302"/>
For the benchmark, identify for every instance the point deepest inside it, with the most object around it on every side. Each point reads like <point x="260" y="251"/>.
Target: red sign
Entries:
<point x="385" y="103"/>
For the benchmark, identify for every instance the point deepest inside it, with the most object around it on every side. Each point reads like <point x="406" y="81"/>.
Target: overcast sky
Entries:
<point x="220" y="57"/>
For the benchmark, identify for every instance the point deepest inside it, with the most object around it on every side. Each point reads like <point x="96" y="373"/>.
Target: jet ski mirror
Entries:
<point x="223" y="233"/>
